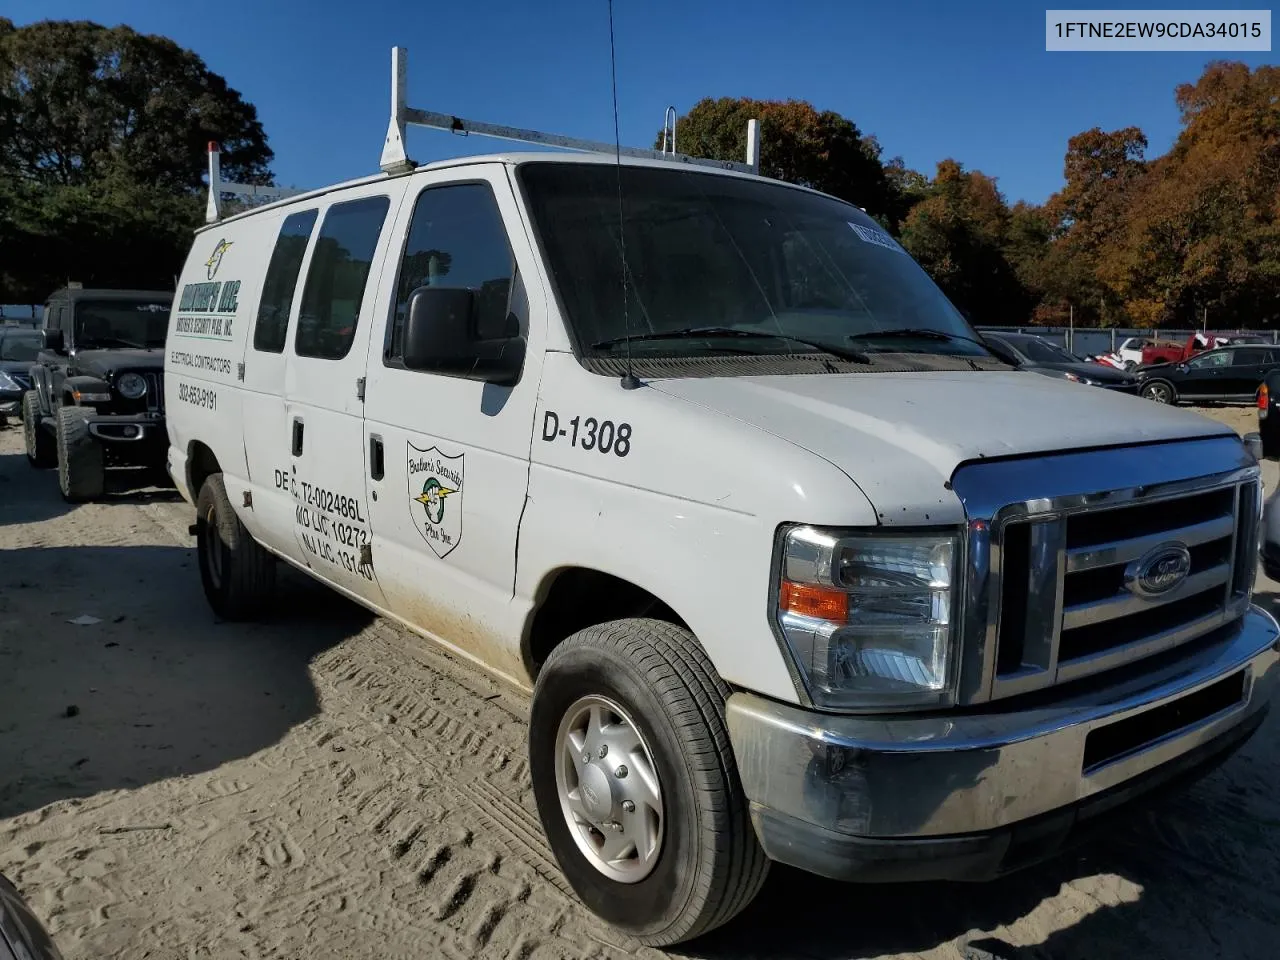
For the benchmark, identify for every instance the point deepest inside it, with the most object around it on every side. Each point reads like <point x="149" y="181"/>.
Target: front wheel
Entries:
<point x="1160" y="392"/>
<point x="40" y="449"/>
<point x="636" y="783"/>
<point x="81" y="471"/>
<point x="238" y="575"/>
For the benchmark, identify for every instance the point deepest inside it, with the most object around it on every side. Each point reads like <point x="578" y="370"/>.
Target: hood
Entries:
<point x="900" y="437"/>
<point x="103" y="363"/>
<point x="1089" y="371"/>
<point x="1098" y="371"/>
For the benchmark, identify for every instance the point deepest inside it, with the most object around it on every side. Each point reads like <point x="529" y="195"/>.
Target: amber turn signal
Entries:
<point x="820" y="603"/>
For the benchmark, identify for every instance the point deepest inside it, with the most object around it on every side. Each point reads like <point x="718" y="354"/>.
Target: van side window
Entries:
<point x="54" y="319"/>
<point x="282" y="280"/>
<point x="457" y="241"/>
<point x="336" y="278"/>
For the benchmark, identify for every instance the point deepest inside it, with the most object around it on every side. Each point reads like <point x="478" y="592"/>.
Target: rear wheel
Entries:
<point x="636" y="784"/>
<point x="40" y="450"/>
<point x="238" y="575"/>
<point x="81" y="472"/>
<point x="1160" y="391"/>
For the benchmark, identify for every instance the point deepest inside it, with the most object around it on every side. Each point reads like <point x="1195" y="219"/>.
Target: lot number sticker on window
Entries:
<point x="878" y="237"/>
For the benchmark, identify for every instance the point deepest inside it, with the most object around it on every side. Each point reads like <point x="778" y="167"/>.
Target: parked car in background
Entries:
<point x="97" y="391"/>
<point x="18" y="349"/>
<point x="1130" y="351"/>
<point x="1112" y="360"/>
<point x="1170" y="351"/>
<point x="1224" y="374"/>
<point x="22" y="936"/>
<point x="1029" y="352"/>
<point x="1268" y="399"/>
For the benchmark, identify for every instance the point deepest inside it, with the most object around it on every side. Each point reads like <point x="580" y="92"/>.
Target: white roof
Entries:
<point x="509" y="158"/>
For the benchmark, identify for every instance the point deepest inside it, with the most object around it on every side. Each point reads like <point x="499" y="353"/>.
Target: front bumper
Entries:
<point x="143" y="429"/>
<point x="971" y="796"/>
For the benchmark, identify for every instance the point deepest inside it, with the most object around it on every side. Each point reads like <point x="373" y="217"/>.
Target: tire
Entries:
<point x="81" y="474"/>
<point x="238" y="575"/>
<point x="41" y="452"/>
<point x="708" y="865"/>
<point x="1160" y="391"/>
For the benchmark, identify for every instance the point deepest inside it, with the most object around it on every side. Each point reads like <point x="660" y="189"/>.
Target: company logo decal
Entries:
<point x="1159" y="570"/>
<point x="215" y="258"/>
<point x="436" y="487"/>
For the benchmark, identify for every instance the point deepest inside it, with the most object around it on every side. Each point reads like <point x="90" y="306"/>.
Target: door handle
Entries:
<point x="377" y="462"/>
<point x="297" y="437"/>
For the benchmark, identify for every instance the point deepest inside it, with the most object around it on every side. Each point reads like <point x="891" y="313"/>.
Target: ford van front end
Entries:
<point x="979" y="695"/>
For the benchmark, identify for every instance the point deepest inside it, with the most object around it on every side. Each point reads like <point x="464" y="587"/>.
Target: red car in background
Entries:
<point x="1168" y="351"/>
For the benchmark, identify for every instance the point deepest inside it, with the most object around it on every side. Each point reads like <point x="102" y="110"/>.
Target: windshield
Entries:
<point x="1042" y="351"/>
<point x="121" y="323"/>
<point x="710" y="251"/>
<point x="19" y="346"/>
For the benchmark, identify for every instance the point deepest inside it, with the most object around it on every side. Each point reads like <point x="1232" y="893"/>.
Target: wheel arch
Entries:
<point x="1162" y="381"/>
<point x="572" y="598"/>
<point x="201" y="463"/>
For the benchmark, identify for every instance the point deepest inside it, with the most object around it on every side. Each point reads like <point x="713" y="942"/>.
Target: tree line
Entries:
<point x="103" y="135"/>
<point x="1127" y="241"/>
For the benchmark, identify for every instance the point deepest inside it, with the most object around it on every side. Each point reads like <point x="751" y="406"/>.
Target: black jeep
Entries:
<point x="97" y="396"/>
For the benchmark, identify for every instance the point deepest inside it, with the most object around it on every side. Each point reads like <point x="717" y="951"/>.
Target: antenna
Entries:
<point x="629" y="381"/>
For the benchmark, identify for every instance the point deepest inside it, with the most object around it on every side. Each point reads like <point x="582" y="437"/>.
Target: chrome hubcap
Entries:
<point x="609" y="791"/>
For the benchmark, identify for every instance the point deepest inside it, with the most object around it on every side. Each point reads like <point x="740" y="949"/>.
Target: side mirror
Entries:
<point x="53" y="340"/>
<point x="440" y="337"/>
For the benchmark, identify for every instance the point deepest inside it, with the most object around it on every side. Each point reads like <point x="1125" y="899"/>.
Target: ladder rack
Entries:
<point x="396" y="160"/>
<point x="218" y="186"/>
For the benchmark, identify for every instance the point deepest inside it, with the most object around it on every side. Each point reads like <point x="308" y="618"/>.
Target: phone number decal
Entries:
<point x="198" y="396"/>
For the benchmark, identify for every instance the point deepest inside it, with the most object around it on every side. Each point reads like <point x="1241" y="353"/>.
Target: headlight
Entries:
<point x="131" y="386"/>
<point x="8" y="383"/>
<point x="870" y="618"/>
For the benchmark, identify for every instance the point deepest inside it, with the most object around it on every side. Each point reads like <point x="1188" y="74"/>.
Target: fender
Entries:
<point x="40" y="384"/>
<point x="76" y="387"/>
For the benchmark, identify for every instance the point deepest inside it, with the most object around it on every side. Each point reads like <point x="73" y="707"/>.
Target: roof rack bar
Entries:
<point x="396" y="160"/>
<point x="218" y="186"/>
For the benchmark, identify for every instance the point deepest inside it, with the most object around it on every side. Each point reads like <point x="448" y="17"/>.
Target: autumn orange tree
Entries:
<point x="1203" y="229"/>
<point x="1127" y="240"/>
<point x="958" y="231"/>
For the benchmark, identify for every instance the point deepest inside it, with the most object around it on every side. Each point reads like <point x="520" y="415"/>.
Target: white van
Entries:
<point x="793" y="569"/>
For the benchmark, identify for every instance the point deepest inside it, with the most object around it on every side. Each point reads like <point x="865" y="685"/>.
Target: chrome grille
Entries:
<point x="1060" y="585"/>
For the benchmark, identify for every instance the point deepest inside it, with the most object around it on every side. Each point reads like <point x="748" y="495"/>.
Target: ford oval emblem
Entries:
<point x="1159" y="570"/>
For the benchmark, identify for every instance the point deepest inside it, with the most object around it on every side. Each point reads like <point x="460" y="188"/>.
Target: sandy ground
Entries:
<point x="326" y="785"/>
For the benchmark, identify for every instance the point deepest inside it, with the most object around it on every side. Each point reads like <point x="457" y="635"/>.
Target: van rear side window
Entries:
<point x="337" y="276"/>
<point x="282" y="280"/>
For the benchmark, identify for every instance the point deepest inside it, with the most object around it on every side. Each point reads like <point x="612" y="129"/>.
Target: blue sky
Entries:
<point x="931" y="80"/>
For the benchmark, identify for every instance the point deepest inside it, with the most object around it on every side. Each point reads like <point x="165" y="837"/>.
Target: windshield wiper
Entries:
<point x="916" y="333"/>
<point x="843" y="353"/>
